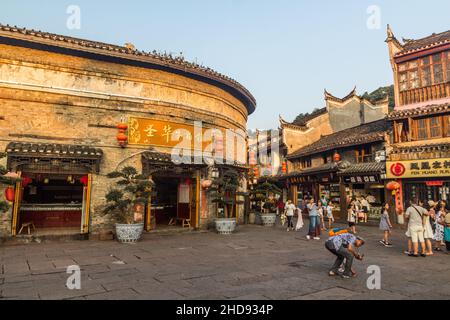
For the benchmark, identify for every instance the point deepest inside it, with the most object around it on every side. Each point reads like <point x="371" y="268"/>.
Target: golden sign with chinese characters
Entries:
<point x="418" y="168"/>
<point x="142" y="131"/>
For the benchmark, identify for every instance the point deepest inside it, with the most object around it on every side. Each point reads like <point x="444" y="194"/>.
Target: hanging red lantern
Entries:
<point x="84" y="180"/>
<point x="393" y="186"/>
<point x="256" y="172"/>
<point x="284" y="168"/>
<point x="188" y="181"/>
<point x="337" y="157"/>
<point x="122" y="137"/>
<point x="10" y="194"/>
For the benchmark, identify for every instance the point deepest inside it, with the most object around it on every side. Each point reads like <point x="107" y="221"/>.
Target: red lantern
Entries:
<point x="122" y="137"/>
<point x="284" y="168"/>
<point x="256" y="172"/>
<point x="122" y="126"/>
<point x="84" y="180"/>
<point x="393" y="186"/>
<point x="10" y="194"/>
<point x="337" y="157"/>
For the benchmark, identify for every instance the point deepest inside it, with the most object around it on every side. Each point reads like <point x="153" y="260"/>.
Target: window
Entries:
<point x="448" y="67"/>
<point x="422" y="129"/>
<point x="364" y="154"/>
<point x="414" y="79"/>
<point x="426" y="76"/>
<point x="430" y="128"/>
<point x="438" y="73"/>
<point x="306" y="163"/>
<point x="435" y="127"/>
<point x="403" y="81"/>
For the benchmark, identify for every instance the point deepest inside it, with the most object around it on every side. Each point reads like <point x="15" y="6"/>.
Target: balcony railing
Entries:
<point x="418" y="95"/>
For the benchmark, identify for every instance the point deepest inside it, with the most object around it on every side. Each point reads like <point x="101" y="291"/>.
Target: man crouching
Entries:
<point x="343" y="246"/>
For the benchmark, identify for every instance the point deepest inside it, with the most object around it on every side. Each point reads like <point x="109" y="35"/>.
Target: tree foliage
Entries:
<point x="380" y="94"/>
<point x="265" y="192"/>
<point x="131" y="188"/>
<point x="224" y="191"/>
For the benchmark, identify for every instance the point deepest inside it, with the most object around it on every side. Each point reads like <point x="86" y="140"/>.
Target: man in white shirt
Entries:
<point x="415" y="214"/>
<point x="290" y="210"/>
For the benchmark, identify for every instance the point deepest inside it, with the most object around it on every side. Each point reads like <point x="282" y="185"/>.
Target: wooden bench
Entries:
<point x="27" y="225"/>
<point x="184" y="222"/>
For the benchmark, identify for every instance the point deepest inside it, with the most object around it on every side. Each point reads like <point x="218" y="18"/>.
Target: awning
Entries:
<point x="363" y="168"/>
<point x="53" y="158"/>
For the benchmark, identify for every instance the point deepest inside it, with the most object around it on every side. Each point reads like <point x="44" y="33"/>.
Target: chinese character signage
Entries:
<point x="169" y="134"/>
<point x="362" y="179"/>
<point x="418" y="168"/>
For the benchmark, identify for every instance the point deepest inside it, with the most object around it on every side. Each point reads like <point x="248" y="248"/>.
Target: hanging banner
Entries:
<point x="418" y="168"/>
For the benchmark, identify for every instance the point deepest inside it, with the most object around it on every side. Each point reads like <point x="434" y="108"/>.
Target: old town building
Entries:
<point x="419" y="157"/>
<point x="341" y="151"/>
<point x="73" y="110"/>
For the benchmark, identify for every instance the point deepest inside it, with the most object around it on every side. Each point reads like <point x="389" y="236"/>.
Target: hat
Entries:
<point x="431" y="203"/>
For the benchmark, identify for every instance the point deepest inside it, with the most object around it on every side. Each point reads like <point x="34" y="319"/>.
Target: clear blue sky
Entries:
<point x="284" y="52"/>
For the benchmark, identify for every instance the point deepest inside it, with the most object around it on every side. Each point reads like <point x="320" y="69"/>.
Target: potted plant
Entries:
<point x="224" y="192"/>
<point x="266" y="193"/>
<point x="131" y="191"/>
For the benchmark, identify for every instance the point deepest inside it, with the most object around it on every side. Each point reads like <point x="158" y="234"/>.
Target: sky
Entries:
<point x="286" y="52"/>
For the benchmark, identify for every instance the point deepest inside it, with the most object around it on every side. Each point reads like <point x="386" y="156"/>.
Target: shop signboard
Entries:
<point x="426" y="168"/>
<point x="361" y="179"/>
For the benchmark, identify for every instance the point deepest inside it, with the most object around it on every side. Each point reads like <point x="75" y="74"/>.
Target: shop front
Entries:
<point x="53" y="196"/>
<point x="425" y="179"/>
<point x="365" y="180"/>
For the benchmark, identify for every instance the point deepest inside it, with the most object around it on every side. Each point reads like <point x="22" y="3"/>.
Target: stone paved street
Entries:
<point x="255" y="263"/>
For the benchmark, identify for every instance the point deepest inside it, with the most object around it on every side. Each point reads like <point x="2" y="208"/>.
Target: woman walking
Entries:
<point x="386" y="226"/>
<point x="428" y="233"/>
<point x="300" y="223"/>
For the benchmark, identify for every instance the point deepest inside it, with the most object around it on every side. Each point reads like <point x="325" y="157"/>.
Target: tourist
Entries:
<point x="428" y="230"/>
<point x="343" y="246"/>
<point x="330" y="216"/>
<point x="320" y="210"/>
<point x="447" y="231"/>
<point x="386" y="226"/>
<point x="300" y="223"/>
<point x="280" y="206"/>
<point x="324" y="201"/>
<point x="365" y="208"/>
<point x="351" y="217"/>
<point x="439" y="227"/>
<point x="289" y="212"/>
<point x="415" y="214"/>
<point x="314" y="222"/>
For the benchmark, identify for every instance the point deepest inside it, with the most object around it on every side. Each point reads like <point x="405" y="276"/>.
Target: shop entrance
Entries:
<point x="173" y="202"/>
<point x="52" y="204"/>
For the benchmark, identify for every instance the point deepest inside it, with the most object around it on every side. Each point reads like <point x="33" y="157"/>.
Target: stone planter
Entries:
<point x="268" y="219"/>
<point x="225" y="226"/>
<point x="129" y="233"/>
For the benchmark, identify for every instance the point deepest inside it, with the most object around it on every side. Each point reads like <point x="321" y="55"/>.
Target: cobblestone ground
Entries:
<point x="255" y="263"/>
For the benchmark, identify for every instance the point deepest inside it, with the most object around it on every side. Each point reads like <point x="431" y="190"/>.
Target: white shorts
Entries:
<point x="417" y="234"/>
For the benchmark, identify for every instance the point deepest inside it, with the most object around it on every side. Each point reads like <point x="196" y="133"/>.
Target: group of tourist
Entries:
<point x="317" y="212"/>
<point x="425" y="226"/>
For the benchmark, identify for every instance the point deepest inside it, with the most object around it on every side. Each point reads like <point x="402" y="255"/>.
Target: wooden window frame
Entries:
<point x="443" y="127"/>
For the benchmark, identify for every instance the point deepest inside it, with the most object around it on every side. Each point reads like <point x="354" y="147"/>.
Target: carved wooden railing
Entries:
<point x="434" y="92"/>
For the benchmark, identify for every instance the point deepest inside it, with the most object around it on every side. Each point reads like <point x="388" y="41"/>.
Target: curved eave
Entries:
<point x="144" y="61"/>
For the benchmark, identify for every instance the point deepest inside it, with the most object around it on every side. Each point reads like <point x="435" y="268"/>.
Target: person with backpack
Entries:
<point x="415" y="214"/>
<point x="344" y="246"/>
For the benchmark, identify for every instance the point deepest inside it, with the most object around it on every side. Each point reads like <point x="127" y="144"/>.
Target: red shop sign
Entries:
<point x="435" y="183"/>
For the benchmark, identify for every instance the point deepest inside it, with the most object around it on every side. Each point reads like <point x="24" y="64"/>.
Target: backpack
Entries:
<point x="337" y="231"/>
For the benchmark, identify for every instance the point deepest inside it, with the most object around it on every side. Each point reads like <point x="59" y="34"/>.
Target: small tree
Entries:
<point x="263" y="191"/>
<point x="224" y="192"/>
<point x="4" y="205"/>
<point x="131" y="189"/>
